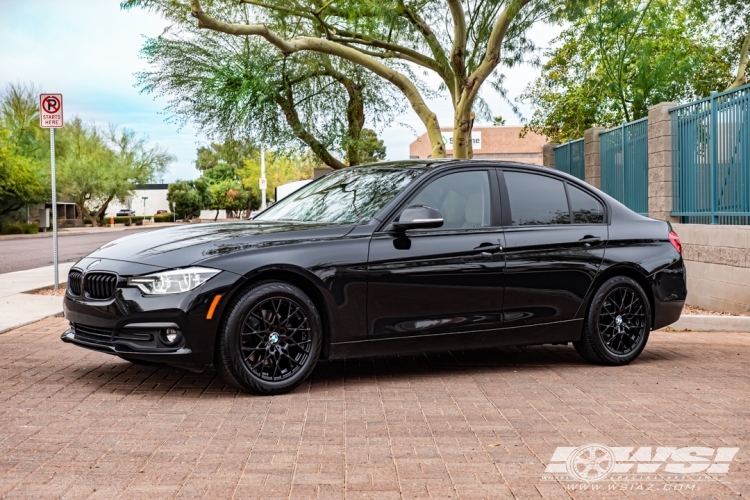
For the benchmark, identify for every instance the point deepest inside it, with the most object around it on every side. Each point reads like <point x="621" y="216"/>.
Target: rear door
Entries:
<point x="441" y="280"/>
<point x="555" y="237"/>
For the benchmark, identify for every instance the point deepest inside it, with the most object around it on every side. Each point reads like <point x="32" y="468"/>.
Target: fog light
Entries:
<point x="171" y="337"/>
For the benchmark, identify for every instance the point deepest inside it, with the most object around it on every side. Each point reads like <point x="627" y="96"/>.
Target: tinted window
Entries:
<point x="347" y="195"/>
<point x="463" y="199"/>
<point x="586" y="208"/>
<point x="536" y="199"/>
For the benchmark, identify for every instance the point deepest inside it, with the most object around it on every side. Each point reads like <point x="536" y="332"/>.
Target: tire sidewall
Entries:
<point x="596" y="340"/>
<point x="231" y="333"/>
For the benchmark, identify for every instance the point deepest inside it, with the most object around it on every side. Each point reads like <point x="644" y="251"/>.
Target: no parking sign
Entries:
<point x="51" y="111"/>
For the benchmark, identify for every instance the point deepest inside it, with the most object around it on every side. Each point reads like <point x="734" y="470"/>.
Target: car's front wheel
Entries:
<point x="270" y="339"/>
<point x="617" y="325"/>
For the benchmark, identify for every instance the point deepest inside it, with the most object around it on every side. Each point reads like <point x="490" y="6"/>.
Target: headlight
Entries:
<point x="175" y="281"/>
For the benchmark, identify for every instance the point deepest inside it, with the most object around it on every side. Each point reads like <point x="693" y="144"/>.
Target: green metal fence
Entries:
<point x="711" y="159"/>
<point x="569" y="158"/>
<point x="624" y="157"/>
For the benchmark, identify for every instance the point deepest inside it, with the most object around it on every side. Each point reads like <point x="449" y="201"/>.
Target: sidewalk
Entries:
<point x="18" y="308"/>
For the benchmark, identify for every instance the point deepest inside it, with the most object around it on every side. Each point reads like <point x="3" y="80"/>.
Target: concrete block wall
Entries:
<point x="718" y="266"/>
<point x="592" y="158"/>
<point x="548" y="154"/>
<point x="660" y="162"/>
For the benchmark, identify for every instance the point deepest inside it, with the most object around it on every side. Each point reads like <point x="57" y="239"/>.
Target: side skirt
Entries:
<point x="553" y="333"/>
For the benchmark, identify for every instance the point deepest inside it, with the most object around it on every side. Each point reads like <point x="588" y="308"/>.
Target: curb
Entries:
<point x="712" y="323"/>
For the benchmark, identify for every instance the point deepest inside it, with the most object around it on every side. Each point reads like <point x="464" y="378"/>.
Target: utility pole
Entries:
<point x="263" y="205"/>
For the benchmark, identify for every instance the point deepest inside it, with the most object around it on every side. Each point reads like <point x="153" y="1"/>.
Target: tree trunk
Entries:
<point x="216" y="217"/>
<point x="741" y="78"/>
<point x="462" y="122"/>
<point x="355" y="116"/>
<point x="84" y="211"/>
<point x="103" y="210"/>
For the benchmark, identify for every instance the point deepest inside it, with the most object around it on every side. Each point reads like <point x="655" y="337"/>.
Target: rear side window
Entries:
<point x="536" y="199"/>
<point x="586" y="208"/>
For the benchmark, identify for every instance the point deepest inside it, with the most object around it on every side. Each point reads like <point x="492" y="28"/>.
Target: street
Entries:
<point x="18" y="254"/>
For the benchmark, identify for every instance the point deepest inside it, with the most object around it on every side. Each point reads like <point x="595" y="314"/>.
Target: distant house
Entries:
<point x="489" y="143"/>
<point x="156" y="199"/>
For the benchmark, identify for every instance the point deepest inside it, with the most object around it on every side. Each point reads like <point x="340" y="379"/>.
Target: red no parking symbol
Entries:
<point x="51" y="110"/>
<point x="51" y="104"/>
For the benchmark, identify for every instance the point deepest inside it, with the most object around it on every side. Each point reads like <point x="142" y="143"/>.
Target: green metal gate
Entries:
<point x="624" y="160"/>
<point x="569" y="158"/>
<point x="711" y="159"/>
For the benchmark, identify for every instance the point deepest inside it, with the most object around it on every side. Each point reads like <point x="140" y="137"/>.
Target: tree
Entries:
<point x="734" y="16"/>
<point x="189" y="197"/>
<point x="619" y="57"/>
<point x="97" y="168"/>
<point x="232" y="87"/>
<point x="21" y="183"/>
<point x="23" y="176"/>
<point x="280" y="169"/>
<point x="388" y="36"/>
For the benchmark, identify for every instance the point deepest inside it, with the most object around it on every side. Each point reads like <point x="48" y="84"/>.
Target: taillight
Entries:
<point x="675" y="241"/>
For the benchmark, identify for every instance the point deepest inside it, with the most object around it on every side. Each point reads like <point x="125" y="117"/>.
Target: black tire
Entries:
<point x="270" y="339"/>
<point x="617" y="325"/>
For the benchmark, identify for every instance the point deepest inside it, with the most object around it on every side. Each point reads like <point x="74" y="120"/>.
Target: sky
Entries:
<point x="88" y="50"/>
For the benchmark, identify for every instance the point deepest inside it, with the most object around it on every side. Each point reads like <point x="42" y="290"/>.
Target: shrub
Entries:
<point x="20" y="228"/>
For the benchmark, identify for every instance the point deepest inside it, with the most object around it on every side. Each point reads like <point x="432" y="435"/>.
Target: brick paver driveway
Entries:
<point x="75" y="424"/>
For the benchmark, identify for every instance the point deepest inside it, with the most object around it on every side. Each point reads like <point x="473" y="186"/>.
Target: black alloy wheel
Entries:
<point x="617" y="325"/>
<point x="621" y="321"/>
<point x="275" y="339"/>
<point x="270" y="339"/>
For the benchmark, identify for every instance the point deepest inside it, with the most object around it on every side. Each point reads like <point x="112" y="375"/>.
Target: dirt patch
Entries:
<point x="50" y="290"/>
<point x="697" y="310"/>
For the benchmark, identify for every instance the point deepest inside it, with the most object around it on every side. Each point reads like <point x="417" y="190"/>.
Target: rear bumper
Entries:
<point x="669" y="289"/>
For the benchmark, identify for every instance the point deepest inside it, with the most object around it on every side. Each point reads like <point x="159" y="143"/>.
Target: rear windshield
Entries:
<point x="349" y="195"/>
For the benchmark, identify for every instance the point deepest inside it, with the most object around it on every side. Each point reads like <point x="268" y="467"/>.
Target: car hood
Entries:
<point x="182" y="246"/>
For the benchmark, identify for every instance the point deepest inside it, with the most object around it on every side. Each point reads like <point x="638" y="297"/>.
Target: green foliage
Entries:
<point x="368" y="147"/>
<point x="23" y="176"/>
<point x="189" y="197"/>
<point x="157" y="218"/>
<point x="280" y="169"/>
<point x="618" y="58"/>
<point x="241" y="87"/>
<point x="97" y="167"/>
<point x="19" y="228"/>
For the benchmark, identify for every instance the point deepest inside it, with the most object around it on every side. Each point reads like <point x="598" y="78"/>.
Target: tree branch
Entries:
<point x="429" y="119"/>
<point x="458" y="52"/>
<point x="741" y="78"/>
<point x="494" y="45"/>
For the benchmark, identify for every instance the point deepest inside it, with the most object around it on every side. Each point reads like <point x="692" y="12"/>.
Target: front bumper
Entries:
<point x="133" y="326"/>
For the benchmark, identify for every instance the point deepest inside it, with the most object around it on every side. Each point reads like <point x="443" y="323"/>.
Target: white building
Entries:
<point x="155" y="199"/>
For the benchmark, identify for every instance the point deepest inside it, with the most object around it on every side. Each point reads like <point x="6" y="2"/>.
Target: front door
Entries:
<point x="442" y="280"/>
<point x="555" y="237"/>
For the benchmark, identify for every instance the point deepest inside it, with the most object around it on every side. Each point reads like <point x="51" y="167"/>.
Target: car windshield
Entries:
<point x="348" y="195"/>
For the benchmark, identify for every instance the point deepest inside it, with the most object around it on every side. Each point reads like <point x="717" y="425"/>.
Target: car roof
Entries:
<point x="439" y="163"/>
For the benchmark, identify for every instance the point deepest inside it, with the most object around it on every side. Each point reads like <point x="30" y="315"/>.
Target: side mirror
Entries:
<point x="418" y="217"/>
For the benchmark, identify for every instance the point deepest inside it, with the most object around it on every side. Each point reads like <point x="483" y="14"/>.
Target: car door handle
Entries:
<point x="589" y="240"/>
<point x="488" y="249"/>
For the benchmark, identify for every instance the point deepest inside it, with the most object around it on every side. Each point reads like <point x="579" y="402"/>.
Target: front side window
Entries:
<point x="350" y="195"/>
<point x="536" y="199"/>
<point x="586" y="209"/>
<point x="463" y="199"/>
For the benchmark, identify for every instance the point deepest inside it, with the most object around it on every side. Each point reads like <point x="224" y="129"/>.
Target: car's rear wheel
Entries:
<point x="270" y="340"/>
<point x="617" y="325"/>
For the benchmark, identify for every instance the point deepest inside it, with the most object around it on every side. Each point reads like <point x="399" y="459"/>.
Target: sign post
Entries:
<point x="51" y="117"/>
<point x="262" y="179"/>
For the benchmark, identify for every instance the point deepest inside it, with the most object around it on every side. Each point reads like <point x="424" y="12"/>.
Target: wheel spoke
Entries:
<point x="271" y="325"/>
<point x="622" y="320"/>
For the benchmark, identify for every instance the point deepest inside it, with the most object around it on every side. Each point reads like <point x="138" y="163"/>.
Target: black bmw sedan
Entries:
<point x="401" y="257"/>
